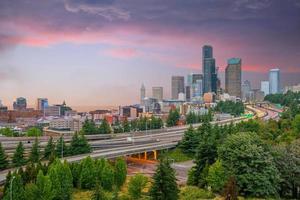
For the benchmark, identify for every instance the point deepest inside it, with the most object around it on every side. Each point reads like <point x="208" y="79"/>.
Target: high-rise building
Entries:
<point x="177" y="86"/>
<point x="274" y="79"/>
<point x="233" y="77"/>
<point x="265" y="87"/>
<point x="197" y="90"/>
<point x="188" y="93"/>
<point x="246" y="88"/>
<point x="209" y="70"/>
<point x="143" y="93"/>
<point x="20" y="104"/>
<point x="42" y="103"/>
<point x="158" y="93"/>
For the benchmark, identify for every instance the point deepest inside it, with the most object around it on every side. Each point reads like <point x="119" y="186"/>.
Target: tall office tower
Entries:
<point x="143" y="93"/>
<point x="233" y="77"/>
<point x="265" y="87"/>
<point x="20" y="104"/>
<point x="158" y="93"/>
<point x="246" y="88"/>
<point x="209" y="70"/>
<point x="42" y="103"/>
<point x="177" y="86"/>
<point x="274" y="79"/>
<point x="188" y="93"/>
<point x="197" y="90"/>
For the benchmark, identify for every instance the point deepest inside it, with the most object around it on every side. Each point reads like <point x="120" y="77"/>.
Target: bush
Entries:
<point x="194" y="193"/>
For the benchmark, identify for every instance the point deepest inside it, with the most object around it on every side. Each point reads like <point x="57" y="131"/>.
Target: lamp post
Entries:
<point x="11" y="182"/>
<point x="62" y="146"/>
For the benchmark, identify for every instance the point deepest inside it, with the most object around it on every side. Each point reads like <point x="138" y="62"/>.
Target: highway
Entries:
<point x="140" y="142"/>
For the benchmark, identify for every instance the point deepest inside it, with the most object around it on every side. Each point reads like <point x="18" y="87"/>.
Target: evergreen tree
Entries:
<point x="34" y="132"/>
<point x="126" y="126"/>
<point x="30" y="173"/>
<point x="164" y="186"/>
<point x="104" y="127"/>
<point x="16" y="188"/>
<point x="98" y="193"/>
<point x="18" y="157"/>
<point x="35" y="152"/>
<point x="88" y="172"/>
<point x="76" y="171"/>
<point x="120" y="172"/>
<point x="136" y="185"/>
<point x="44" y="187"/>
<point x="61" y="148"/>
<point x="107" y="177"/>
<point x="3" y="158"/>
<point x="49" y="149"/>
<point x="79" y="145"/>
<point x="173" y="117"/>
<point x="62" y="181"/>
<point x="89" y="127"/>
<point x="190" y="141"/>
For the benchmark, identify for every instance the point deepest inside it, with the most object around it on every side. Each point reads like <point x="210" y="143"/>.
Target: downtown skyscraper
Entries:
<point x="233" y="77"/>
<point x="274" y="80"/>
<point x="209" y="70"/>
<point x="177" y="86"/>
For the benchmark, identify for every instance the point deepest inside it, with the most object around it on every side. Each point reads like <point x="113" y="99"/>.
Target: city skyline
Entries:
<point x="86" y="52"/>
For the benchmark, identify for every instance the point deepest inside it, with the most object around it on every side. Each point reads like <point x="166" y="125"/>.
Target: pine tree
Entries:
<point x="88" y="172"/>
<point x="126" y="126"/>
<point x="120" y="172"/>
<point x="50" y="147"/>
<point x="16" y="188"/>
<point x="18" y="157"/>
<point x="107" y="177"/>
<point x="164" y="186"/>
<point x="104" y="127"/>
<point x="3" y="158"/>
<point x="79" y="145"/>
<point x="62" y="181"/>
<point x="61" y="149"/>
<point x="44" y="187"/>
<point x="35" y="152"/>
<point x="98" y="193"/>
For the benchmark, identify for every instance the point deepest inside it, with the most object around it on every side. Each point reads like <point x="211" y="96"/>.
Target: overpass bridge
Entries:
<point x="140" y="142"/>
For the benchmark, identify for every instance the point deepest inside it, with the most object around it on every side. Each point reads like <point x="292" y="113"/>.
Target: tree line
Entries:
<point x="252" y="158"/>
<point x="233" y="108"/>
<point x="78" y="145"/>
<point x="31" y="132"/>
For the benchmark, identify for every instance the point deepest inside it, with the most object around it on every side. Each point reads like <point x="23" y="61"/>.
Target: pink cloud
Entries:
<point x="123" y="53"/>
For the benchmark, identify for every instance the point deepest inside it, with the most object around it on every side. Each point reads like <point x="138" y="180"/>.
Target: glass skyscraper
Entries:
<point x="209" y="70"/>
<point x="274" y="80"/>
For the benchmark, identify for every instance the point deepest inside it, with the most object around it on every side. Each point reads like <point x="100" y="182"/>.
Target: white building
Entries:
<point x="67" y="123"/>
<point x="274" y="79"/>
<point x="293" y="88"/>
<point x="265" y="87"/>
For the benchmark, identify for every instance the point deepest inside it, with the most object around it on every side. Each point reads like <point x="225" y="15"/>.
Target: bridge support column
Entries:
<point x="145" y="155"/>
<point x="155" y="154"/>
<point x="139" y="156"/>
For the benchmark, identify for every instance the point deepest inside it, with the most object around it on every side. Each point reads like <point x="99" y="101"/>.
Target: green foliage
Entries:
<point x="7" y="132"/>
<point x="98" y="193"/>
<point x="136" y="186"/>
<point x="206" y="154"/>
<point x="88" y="172"/>
<point x="3" y="158"/>
<point x="79" y="145"/>
<point x="217" y="176"/>
<point x="231" y="189"/>
<point x="34" y="132"/>
<point x="89" y="127"/>
<point x="107" y="177"/>
<point x="62" y="181"/>
<point x="173" y="117"/>
<point x="156" y="123"/>
<point x="41" y="190"/>
<point x="120" y="172"/>
<point x="61" y="148"/>
<point x="104" y="127"/>
<point x="195" y="193"/>
<point x="76" y="171"/>
<point x="18" y="159"/>
<point x="35" y="152"/>
<point x="233" y="108"/>
<point x="164" y="186"/>
<point x="49" y="149"/>
<point x="190" y="141"/>
<point x="126" y="126"/>
<point x="246" y="157"/>
<point x="296" y="124"/>
<point x="177" y="155"/>
<point x="16" y="188"/>
<point x="193" y="118"/>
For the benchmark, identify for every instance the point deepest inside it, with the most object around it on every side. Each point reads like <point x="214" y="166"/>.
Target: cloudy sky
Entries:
<point x="98" y="53"/>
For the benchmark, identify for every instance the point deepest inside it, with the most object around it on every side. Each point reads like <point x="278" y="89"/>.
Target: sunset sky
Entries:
<point x="98" y="53"/>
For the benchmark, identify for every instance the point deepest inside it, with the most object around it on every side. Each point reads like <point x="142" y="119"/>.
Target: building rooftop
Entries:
<point x="234" y="61"/>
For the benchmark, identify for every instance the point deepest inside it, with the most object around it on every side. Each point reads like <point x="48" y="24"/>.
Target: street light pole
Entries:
<point x="11" y="182"/>
<point x="62" y="146"/>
